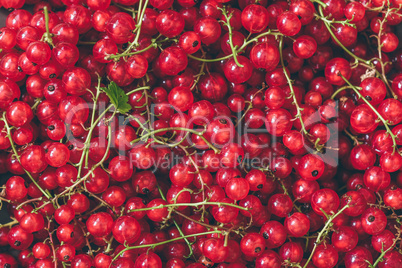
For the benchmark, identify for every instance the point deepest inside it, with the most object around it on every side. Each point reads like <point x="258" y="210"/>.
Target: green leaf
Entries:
<point x="117" y="97"/>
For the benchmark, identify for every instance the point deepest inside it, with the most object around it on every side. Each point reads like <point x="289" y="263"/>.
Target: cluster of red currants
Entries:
<point x="186" y="134"/>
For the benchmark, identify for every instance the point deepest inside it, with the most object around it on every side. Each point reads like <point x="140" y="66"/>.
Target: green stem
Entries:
<point x="165" y="242"/>
<point x="230" y="32"/>
<point x="189" y="205"/>
<point x="292" y="92"/>
<point x="380" y="258"/>
<point x="9" y="224"/>
<point x="210" y="60"/>
<point x="136" y="90"/>
<point x="324" y="229"/>
<point x="116" y="56"/>
<point x="383" y="76"/>
<point x="328" y="26"/>
<point x="339" y="90"/>
<point x="320" y="3"/>
<point x="8" y="129"/>
<point x="47" y="35"/>
<point x="95" y="101"/>
<point x="145" y="136"/>
<point x="177" y="226"/>
<point x="139" y="23"/>
<point x="385" y="122"/>
<point x="245" y="44"/>
<point x="88" y="139"/>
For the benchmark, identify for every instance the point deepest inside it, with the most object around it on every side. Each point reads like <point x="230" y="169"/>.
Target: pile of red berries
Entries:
<point x="220" y="133"/>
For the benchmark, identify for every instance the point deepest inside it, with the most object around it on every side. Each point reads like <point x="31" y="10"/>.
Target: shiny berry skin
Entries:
<point x="170" y="23"/>
<point x="297" y="224"/>
<point x="374" y="221"/>
<point x="224" y="214"/>
<point x="76" y="81"/>
<point x="66" y="54"/>
<point x="137" y="66"/>
<point x="213" y="87"/>
<point x="362" y="157"/>
<point x="265" y="55"/>
<point x="344" y="238"/>
<point x="237" y="188"/>
<point x="103" y="49"/>
<point x="325" y="199"/>
<point x="19" y="239"/>
<point x="38" y="52"/>
<point x="32" y="222"/>
<point x="288" y="23"/>
<point x="19" y="113"/>
<point x="208" y="29"/>
<point x="215" y="250"/>
<point x="15" y="188"/>
<point x="382" y="241"/>
<point x="64" y="214"/>
<point x="65" y="253"/>
<point x="280" y="205"/>
<point x="291" y="251"/>
<point x="41" y="250"/>
<point x="100" y="224"/>
<point x="278" y="122"/>
<point x="373" y="90"/>
<point x="172" y="60"/>
<point x="334" y="68"/>
<point x="120" y="27"/>
<point x="33" y="159"/>
<point x="252" y="244"/>
<point x="180" y="175"/>
<point x="149" y="259"/>
<point x="181" y="98"/>
<point x="190" y="42"/>
<point x="325" y="256"/>
<point x="356" y="201"/>
<point x="311" y="167"/>
<point x="126" y="229"/>
<point x="235" y="73"/>
<point x="304" y="46"/>
<point x="254" y="18"/>
<point x="232" y="155"/>
<point x="157" y="214"/>
<point x="376" y="179"/>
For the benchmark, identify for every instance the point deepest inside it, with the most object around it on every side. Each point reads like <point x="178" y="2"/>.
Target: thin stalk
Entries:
<point x="200" y="223"/>
<point x="189" y="205"/>
<point x="79" y="181"/>
<point x="164" y="242"/>
<point x="245" y="44"/>
<point x="8" y="129"/>
<point x="383" y="76"/>
<point x="339" y="90"/>
<point x="292" y="92"/>
<point x="136" y="90"/>
<point x="328" y="26"/>
<point x="139" y="23"/>
<point x="147" y="135"/>
<point x="11" y="223"/>
<point x="197" y="170"/>
<point x="47" y="35"/>
<point x="380" y="258"/>
<point x="177" y="226"/>
<point x="385" y="122"/>
<point x="51" y="242"/>
<point x="324" y="229"/>
<point x="116" y="56"/>
<point x="230" y="32"/>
